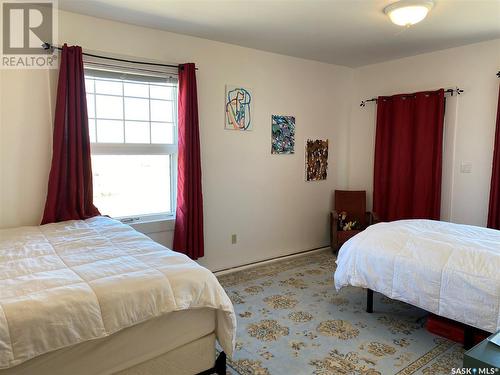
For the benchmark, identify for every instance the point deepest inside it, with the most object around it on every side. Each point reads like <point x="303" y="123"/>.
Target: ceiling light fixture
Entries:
<point x="408" y="12"/>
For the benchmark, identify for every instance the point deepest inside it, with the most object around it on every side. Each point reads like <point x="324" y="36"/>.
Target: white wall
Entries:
<point x="469" y="123"/>
<point x="260" y="197"/>
<point x="26" y="98"/>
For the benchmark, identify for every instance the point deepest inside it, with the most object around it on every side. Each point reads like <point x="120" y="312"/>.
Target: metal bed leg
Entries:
<point x="219" y="367"/>
<point x="369" y="301"/>
<point x="468" y="337"/>
<point x="220" y="364"/>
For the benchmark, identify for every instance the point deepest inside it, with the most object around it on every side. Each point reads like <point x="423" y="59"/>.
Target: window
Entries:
<point x="133" y="131"/>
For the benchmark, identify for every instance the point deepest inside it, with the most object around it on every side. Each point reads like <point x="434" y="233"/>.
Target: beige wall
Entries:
<point x="260" y="197"/>
<point x="469" y="123"/>
<point x="26" y="98"/>
<point x="247" y="191"/>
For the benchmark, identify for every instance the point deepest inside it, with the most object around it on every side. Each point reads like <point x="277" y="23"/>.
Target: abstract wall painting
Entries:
<point x="316" y="159"/>
<point x="282" y="134"/>
<point x="239" y="108"/>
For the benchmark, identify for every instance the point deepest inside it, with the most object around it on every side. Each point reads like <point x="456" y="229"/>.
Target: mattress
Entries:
<point x="67" y="283"/>
<point x="451" y="270"/>
<point x="128" y="348"/>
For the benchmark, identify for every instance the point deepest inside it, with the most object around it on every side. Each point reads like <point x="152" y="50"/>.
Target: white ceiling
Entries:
<point x="344" y="32"/>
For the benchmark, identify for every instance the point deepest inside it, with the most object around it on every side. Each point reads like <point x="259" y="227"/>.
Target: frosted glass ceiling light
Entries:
<point x="408" y="12"/>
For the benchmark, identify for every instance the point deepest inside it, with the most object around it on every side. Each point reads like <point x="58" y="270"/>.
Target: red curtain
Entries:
<point x="188" y="234"/>
<point x="408" y="156"/>
<point x="494" y="208"/>
<point x="69" y="195"/>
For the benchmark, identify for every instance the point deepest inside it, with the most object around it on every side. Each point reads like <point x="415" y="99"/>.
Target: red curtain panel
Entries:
<point x="408" y="156"/>
<point x="69" y="195"/>
<point x="188" y="234"/>
<point x="494" y="208"/>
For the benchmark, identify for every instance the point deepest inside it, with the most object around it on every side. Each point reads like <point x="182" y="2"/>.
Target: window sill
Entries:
<point x="154" y="225"/>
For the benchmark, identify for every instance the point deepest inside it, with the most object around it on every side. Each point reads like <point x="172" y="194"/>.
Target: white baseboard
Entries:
<point x="251" y="265"/>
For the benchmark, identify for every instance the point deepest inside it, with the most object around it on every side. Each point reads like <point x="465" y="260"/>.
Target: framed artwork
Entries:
<point x="316" y="159"/>
<point x="239" y="108"/>
<point x="282" y="134"/>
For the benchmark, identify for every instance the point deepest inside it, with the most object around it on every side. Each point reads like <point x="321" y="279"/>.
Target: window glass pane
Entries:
<point x="110" y="131"/>
<point x="89" y="85"/>
<point x="136" y="109"/>
<point x="161" y="111"/>
<point x="90" y="105"/>
<point x="92" y="130"/>
<point x="162" y="132"/>
<point x="109" y="107"/>
<point x="136" y="89"/>
<point x="128" y="185"/>
<point x="162" y="92"/>
<point x="136" y="132"/>
<point x="108" y="87"/>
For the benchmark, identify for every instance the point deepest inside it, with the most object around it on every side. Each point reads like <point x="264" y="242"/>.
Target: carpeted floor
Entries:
<point x="292" y="321"/>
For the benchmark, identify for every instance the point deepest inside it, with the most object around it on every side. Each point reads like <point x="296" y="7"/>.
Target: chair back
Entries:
<point x="353" y="202"/>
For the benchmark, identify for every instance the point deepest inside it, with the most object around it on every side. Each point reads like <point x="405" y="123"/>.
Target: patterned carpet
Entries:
<point x="292" y="321"/>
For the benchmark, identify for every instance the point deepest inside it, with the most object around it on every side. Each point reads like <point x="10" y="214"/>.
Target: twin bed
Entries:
<point x="451" y="270"/>
<point x="98" y="297"/>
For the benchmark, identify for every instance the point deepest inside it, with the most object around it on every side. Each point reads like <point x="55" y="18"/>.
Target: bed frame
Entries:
<point x="219" y="367"/>
<point x="469" y="331"/>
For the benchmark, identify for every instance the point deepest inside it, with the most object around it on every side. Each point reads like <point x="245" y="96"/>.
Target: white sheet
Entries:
<point x="66" y="283"/>
<point x="448" y="269"/>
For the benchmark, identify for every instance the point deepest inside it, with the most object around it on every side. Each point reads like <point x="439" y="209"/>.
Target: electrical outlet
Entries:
<point x="234" y="239"/>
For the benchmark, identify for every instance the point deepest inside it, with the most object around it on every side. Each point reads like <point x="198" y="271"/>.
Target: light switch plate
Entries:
<point x="466" y="167"/>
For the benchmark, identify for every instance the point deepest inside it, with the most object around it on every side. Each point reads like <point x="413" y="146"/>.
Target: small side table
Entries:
<point x="484" y="355"/>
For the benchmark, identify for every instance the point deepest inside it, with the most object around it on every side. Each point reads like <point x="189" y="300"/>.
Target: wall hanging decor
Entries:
<point x="239" y="108"/>
<point x="316" y="159"/>
<point x="282" y="134"/>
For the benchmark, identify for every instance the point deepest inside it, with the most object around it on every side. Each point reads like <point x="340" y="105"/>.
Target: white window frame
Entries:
<point x="98" y="148"/>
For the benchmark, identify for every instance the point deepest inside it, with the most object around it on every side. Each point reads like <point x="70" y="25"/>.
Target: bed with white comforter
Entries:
<point x="72" y="282"/>
<point x="451" y="270"/>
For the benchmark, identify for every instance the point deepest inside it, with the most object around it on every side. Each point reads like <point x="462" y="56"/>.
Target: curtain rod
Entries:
<point x="48" y="46"/>
<point x="457" y="90"/>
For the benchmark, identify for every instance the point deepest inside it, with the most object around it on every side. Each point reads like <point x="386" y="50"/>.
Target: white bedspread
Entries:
<point x="66" y="283"/>
<point x="448" y="269"/>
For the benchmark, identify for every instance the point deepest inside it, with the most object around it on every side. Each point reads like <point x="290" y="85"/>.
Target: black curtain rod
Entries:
<point x="48" y="46"/>
<point x="458" y="91"/>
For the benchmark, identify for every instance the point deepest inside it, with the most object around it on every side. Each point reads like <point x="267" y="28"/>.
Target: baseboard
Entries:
<point x="267" y="261"/>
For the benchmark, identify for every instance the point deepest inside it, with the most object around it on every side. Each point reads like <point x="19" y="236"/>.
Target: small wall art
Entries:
<point x="316" y="159"/>
<point x="282" y="134"/>
<point x="239" y="108"/>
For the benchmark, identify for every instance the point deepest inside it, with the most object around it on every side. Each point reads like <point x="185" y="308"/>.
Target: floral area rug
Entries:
<point x="292" y="321"/>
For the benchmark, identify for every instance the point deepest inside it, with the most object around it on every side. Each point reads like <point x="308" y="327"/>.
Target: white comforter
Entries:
<point x="448" y="269"/>
<point x="65" y="283"/>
